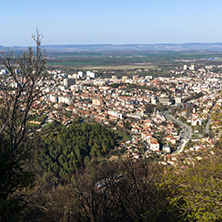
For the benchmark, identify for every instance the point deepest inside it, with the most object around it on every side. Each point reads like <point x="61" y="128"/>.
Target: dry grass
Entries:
<point x="123" y="67"/>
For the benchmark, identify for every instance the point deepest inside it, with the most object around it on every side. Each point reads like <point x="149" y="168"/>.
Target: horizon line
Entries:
<point x="111" y="44"/>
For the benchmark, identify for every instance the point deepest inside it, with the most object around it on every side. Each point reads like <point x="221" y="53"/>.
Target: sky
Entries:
<point x="64" y="22"/>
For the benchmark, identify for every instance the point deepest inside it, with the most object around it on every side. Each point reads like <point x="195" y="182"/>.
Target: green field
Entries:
<point x="125" y="62"/>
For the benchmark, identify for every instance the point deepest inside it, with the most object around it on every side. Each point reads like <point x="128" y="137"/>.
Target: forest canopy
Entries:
<point x="65" y="149"/>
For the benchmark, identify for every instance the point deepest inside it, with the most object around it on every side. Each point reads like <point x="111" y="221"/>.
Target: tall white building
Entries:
<point x="153" y="100"/>
<point x="80" y="74"/>
<point x="191" y="67"/>
<point x="90" y="74"/>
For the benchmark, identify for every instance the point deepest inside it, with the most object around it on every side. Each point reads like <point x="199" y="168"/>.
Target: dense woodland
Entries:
<point x="61" y="150"/>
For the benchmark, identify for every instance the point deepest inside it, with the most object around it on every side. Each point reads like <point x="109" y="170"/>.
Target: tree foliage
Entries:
<point x="134" y="190"/>
<point x="124" y="191"/>
<point x="194" y="96"/>
<point x="66" y="149"/>
<point x="198" y="188"/>
<point x="109" y="191"/>
<point x="13" y="178"/>
<point x="149" y="108"/>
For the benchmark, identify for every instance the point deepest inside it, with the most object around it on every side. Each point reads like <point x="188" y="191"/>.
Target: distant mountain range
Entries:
<point x="129" y="47"/>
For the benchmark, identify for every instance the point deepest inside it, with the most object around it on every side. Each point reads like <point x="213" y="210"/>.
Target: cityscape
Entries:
<point x="110" y="111"/>
<point x="163" y="116"/>
<point x="165" y="113"/>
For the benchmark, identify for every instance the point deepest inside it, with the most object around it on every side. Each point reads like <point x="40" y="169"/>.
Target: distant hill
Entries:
<point x="130" y="47"/>
<point x="137" y="47"/>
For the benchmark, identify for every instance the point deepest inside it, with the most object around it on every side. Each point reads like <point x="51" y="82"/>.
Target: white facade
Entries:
<point x="153" y="100"/>
<point x="90" y="74"/>
<point x="65" y="99"/>
<point x="155" y="146"/>
<point x="166" y="149"/>
<point x="3" y="71"/>
<point x="192" y="68"/>
<point x="178" y="100"/>
<point x="117" y="115"/>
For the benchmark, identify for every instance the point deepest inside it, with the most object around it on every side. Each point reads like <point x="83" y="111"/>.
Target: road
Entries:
<point x="187" y="131"/>
<point x="207" y="130"/>
<point x="180" y="148"/>
<point x="208" y="125"/>
<point x="186" y="134"/>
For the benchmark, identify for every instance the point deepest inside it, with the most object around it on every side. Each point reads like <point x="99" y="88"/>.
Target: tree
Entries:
<point x="129" y="190"/>
<point x="62" y="151"/>
<point x="12" y="178"/>
<point x="198" y="187"/>
<point x="127" y="125"/>
<point x="149" y="108"/>
<point x="20" y="89"/>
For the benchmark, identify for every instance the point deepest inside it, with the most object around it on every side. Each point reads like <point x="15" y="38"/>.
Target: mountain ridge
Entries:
<point x="129" y="47"/>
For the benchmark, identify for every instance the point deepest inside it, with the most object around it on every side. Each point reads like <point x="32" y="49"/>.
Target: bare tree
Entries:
<point x="128" y="190"/>
<point x="20" y="89"/>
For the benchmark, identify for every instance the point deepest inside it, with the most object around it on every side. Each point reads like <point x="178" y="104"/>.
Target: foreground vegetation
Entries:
<point x="125" y="190"/>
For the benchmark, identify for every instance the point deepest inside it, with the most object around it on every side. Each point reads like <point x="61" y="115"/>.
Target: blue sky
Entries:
<point x="110" y="22"/>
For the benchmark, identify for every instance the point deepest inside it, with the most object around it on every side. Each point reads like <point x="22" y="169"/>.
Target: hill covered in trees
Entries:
<point x="63" y="150"/>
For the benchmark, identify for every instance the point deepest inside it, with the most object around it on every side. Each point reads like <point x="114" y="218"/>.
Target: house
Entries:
<point x="166" y="149"/>
<point x="196" y="120"/>
<point x="154" y="145"/>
